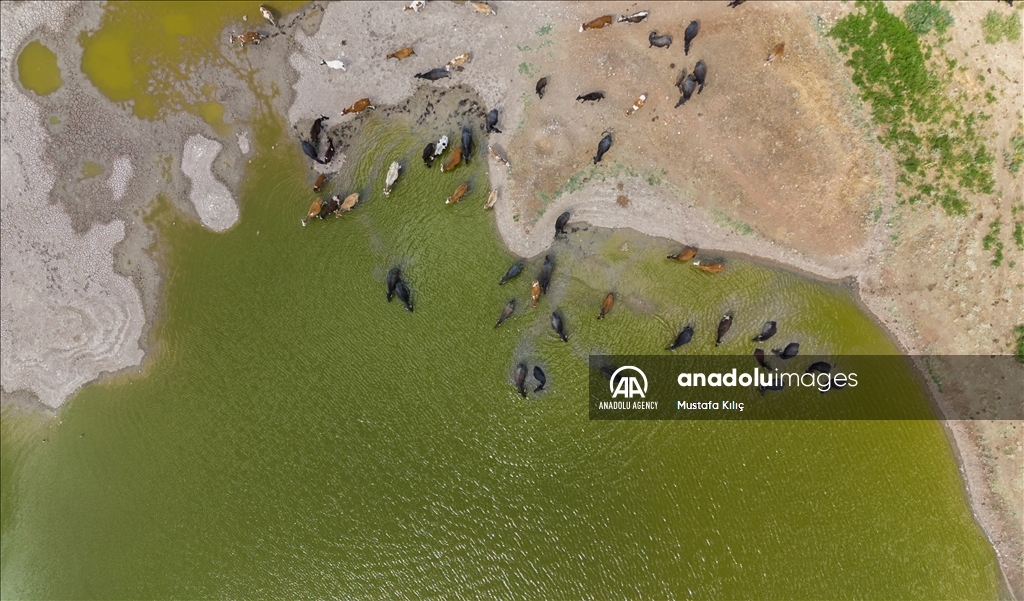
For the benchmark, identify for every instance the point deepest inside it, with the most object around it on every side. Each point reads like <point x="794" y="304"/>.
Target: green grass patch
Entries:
<point x="1019" y="354"/>
<point x="545" y="30"/>
<point x="1018" y="234"/>
<point x="527" y="69"/>
<point x="924" y="16"/>
<point x="1014" y="157"/>
<point x="936" y="142"/>
<point x="991" y="241"/>
<point x="995" y="27"/>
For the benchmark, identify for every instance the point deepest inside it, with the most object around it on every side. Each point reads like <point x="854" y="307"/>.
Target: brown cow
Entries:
<point x="710" y="267"/>
<point x="403" y="53"/>
<point x="249" y="37"/>
<point x="684" y="255"/>
<point x="319" y="182"/>
<point x="314" y="210"/>
<point x="534" y="292"/>
<point x="453" y="161"/>
<point x="597" y="23"/>
<point x="359" y="106"/>
<point x="457" y="196"/>
<point x="776" y="52"/>
<point x="606" y="306"/>
<point x="349" y="202"/>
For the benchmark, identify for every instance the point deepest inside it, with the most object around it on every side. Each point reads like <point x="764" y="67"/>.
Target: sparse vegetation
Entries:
<point x="991" y="241"/>
<point x="995" y="27"/>
<point x="1018" y="234"/>
<point x="923" y="16"/>
<point x="937" y="143"/>
<point x="1019" y="331"/>
<point x="1014" y="157"/>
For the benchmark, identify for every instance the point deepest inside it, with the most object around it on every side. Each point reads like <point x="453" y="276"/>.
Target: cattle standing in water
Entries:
<point x="403" y="295"/>
<point x="434" y="74"/>
<point x="491" y="199"/>
<point x="391" y="178"/>
<point x="545" y="274"/>
<point x="441" y="145"/>
<point x="606" y="305"/>
<point x="683" y="338"/>
<point x="329" y="208"/>
<point x="403" y="53"/>
<point x="467" y="144"/>
<point x="691" y="32"/>
<point x="394" y="276"/>
<point x="710" y="267"/>
<point x="314" y="131"/>
<point x="534" y="293"/>
<point x="492" y="122"/>
<point x="520" y="379"/>
<point x="268" y="15"/>
<point x="634" y="18"/>
<point x="759" y="356"/>
<point x="791" y="350"/>
<point x="558" y="326"/>
<point x="637" y="104"/>
<point x="428" y="155"/>
<point x="767" y="331"/>
<point x="512" y="272"/>
<point x="314" y="210"/>
<point x="776" y="52"/>
<point x="359" y="106"/>
<point x="507" y="312"/>
<point x="498" y="155"/>
<point x="561" y="222"/>
<point x="684" y="255"/>
<point x="820" y="367"/>
<point x="723" y="327"/>
<point x="700" y="73"/>
<point x="457" y="195"/>
<point x="538" y="374"/>
<point x="319" y="182"/>
<point x="661" y="41"/>
<point x="542" y="84"/>
<point x="349" y="202"/>
<point x="602" y="147"/>
<point x="453" y="160"/>
<point x="689" y="85"/>
<point x="591" y="97"/>
<point x="597" y="23"/>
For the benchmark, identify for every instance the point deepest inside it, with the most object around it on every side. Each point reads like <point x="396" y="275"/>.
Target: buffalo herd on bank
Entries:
<point x="321" y="149"/>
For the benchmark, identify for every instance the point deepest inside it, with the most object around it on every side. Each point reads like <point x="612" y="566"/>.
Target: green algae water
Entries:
<point x="145" y="54"/>
<point x="298" y="436"/>
<point x="38" y="70"/>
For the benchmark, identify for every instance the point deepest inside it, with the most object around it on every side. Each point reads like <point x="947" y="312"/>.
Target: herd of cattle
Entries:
<point x="687" y="83"/>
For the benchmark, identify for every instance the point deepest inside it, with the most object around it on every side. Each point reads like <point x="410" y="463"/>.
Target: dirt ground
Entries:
<point x="778" y="162"/>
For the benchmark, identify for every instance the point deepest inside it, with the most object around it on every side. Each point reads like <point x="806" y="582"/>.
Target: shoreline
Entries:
<point x="495" y="80"/>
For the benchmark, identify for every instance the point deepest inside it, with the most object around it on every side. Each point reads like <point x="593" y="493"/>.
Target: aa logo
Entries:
<point x="628" y="385"/>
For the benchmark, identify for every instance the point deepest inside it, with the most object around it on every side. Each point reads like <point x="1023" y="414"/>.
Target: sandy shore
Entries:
<point x="778" y="164"/>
